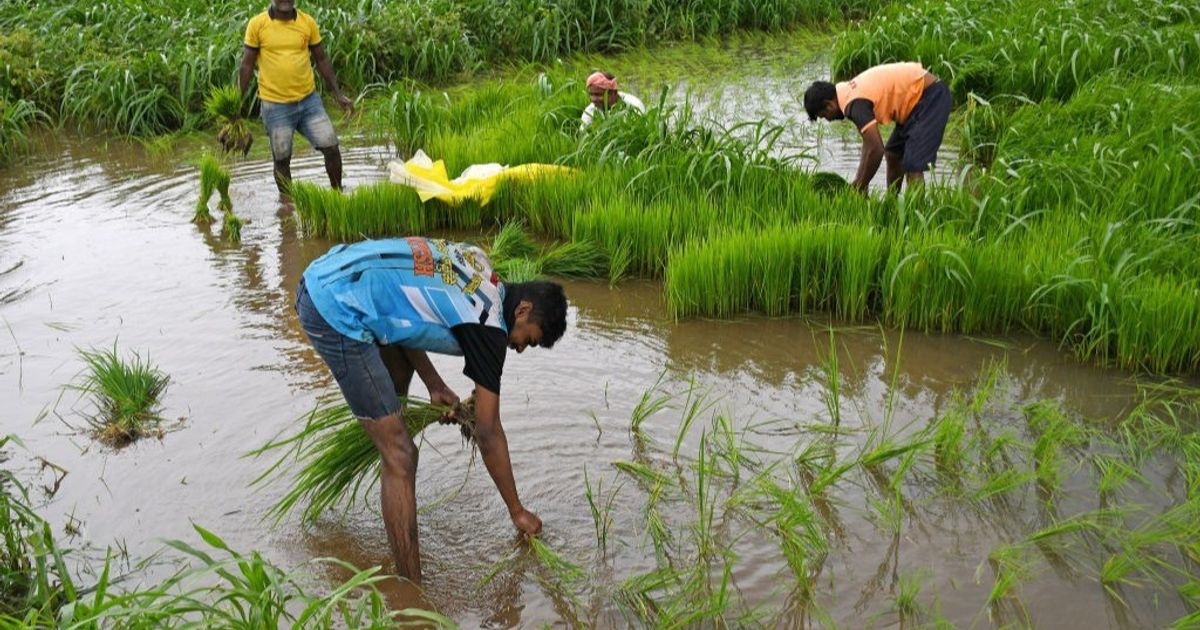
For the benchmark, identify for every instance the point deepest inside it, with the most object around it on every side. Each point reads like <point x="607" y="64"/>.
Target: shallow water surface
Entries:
<point x="96" y="249"/>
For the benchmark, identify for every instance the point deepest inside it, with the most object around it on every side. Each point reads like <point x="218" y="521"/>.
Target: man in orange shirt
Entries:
<point x="283" y="42"/>
<point x="904" y="93"/>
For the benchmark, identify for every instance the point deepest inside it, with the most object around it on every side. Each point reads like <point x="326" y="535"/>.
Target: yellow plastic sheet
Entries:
<point x="477" y="182"/>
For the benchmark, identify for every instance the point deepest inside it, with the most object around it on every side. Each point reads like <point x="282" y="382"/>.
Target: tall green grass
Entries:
<point x="146" y="68"/>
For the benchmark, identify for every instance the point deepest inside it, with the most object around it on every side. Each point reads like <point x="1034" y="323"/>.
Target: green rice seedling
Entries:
<point x="908" y="592"/>
<point x="618" y="263"/>
<point x="829" y="183"/>
<point x="565" y="573"/>
<point x="512" y="241"/>
<point x="643" y="474"/>
<point x="336" y="460"/>
<point x="652" y="401"/>
<point x="518" y="269"/>
<point x="831" y="396"/>
<point x="224" y="104"/>
<point x="126" y="396"/>
<point x="579" y="259"/>
<point x="231" y="227"/>
<point x="1011" y="568"/>
<point x="210" y="176"/>
<point x="601" y="513"/>
<point x="377" y="210"/>
<point x="1054" y="432"/>
<point x="982" y="129"/>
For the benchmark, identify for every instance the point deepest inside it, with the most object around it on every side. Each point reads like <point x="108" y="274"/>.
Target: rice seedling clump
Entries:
<point x="224" y="104"/>
<point x="125" y="394"/>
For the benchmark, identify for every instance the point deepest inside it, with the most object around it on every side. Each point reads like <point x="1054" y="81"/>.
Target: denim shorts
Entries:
<point x="307" y="116"/>
<point x="918" y="139"/>
<point x="357" y="366"/>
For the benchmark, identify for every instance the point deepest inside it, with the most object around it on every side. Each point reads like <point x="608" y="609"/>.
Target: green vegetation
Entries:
<point x="213" y="586"/>
<point x="215" y="178"/>
<point x="233" y="131"/>
<point x="125" y="395"/>
<point x="146" y="68"/>
<point x="1081" y="230"/>
<point x="337" y="463"/>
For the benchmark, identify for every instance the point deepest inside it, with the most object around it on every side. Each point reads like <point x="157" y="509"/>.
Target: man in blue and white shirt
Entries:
<point x="374" y="308"/>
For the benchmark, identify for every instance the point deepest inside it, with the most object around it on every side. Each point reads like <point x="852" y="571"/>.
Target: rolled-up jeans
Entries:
<point x="307" y="115"/>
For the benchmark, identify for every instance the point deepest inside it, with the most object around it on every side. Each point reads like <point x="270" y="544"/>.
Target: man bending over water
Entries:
<point x="373" y="309"/>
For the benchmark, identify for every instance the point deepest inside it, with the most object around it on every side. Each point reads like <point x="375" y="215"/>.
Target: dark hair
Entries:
<point x="549" y="307"/>
<point x="816" y="96"/>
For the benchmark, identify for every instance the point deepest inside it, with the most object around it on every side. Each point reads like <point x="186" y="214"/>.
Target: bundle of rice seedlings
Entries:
<point x="210" y="173"/>
<point x="125" y="395"/>
<point x="828" y="183"/>
<point x="512" y="242"/>
<point x="580" y="259"/>
<point x="232" y="228"/>
<point x="336" y="460"/>
<point x="233" y="132"/>
<point x="518" y="269"/>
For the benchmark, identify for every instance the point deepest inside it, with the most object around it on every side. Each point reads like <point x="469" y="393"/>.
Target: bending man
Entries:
<point x="373" y="309"/>
<point x="904" y="93"/>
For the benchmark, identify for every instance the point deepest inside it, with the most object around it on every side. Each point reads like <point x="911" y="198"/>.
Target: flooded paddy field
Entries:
<point x="101" y="252"/>
<point x="696" y="463"/>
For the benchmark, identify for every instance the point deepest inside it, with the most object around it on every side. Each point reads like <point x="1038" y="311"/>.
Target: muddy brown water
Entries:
<point x="96" y="249"/>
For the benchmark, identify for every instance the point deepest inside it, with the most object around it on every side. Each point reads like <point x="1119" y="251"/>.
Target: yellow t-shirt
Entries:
<point x="285" y="72"/>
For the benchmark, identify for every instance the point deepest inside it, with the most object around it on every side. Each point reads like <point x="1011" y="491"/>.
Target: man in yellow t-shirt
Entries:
<point x="903" y="93"/>
<point x="283" y="42"/>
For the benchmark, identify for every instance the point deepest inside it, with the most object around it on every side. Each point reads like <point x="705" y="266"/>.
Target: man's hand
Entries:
<point x="445" y="397"/>
<point x="527" y="522"/>
<point x="346" y="104"/>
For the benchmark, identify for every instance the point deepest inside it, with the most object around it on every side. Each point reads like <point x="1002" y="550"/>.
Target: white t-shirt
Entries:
<point x="590" y="111"/>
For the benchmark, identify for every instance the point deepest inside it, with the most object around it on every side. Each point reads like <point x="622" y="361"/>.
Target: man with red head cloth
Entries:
<point x="605" y="97"/>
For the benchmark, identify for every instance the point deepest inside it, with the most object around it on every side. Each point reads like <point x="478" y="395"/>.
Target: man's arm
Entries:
<point x="246" y="70"/>
<point x="439" y="393"/>
<point x="325" y="68"/>
<point x="872" y="155"/>
<point x="493" y="445"/>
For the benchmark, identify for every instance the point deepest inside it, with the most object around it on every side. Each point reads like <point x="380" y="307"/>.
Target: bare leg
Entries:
<point x="333" y="165"/>
<point x="398" y="477"/>
<point x="283" y="175"/>
<point x="895" y="171"/>
<point x="398" y="488"/>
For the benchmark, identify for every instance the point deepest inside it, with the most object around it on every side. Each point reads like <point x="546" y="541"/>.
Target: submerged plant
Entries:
<point x="125" y="395"/>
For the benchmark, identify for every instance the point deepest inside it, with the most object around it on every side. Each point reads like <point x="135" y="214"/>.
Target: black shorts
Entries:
<point x="918" y="139"/>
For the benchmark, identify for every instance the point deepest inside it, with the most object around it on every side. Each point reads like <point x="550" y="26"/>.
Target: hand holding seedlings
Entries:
<point x="527" y="522"/>
<point x="445" y="397"/>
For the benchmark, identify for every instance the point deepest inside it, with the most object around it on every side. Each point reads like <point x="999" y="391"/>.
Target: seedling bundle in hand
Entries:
<point x="233" y="132"/>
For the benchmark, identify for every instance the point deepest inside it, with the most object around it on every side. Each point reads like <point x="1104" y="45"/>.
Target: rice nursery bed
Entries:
<point x="1081" y="227"/>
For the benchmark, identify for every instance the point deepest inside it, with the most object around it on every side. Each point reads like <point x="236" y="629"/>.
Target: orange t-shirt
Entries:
<point x="893" y="88"/>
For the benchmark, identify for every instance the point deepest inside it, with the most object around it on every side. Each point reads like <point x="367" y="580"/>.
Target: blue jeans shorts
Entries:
<point x="307" y="116"/>
<point x="357" y="366"/>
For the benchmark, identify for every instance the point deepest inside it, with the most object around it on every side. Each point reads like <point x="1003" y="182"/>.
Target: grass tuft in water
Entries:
<point x="125" y="395"/>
